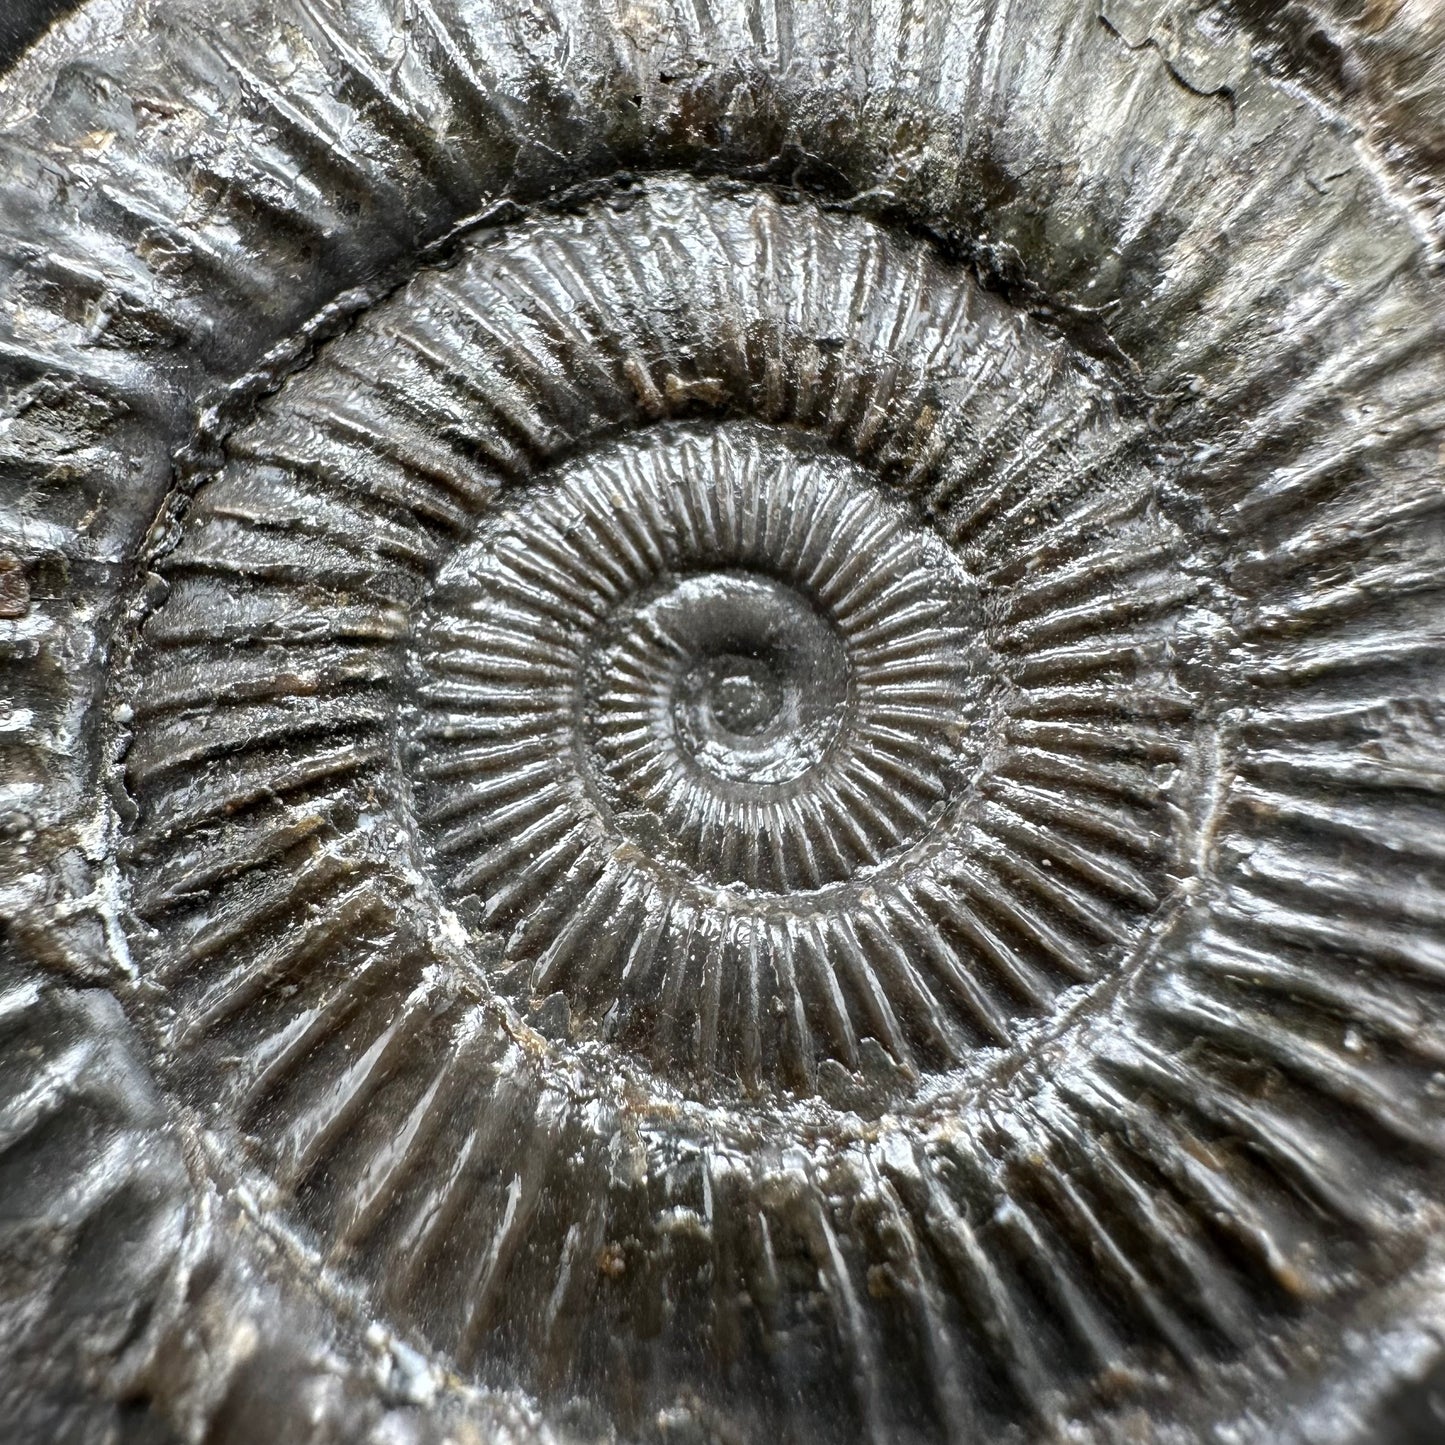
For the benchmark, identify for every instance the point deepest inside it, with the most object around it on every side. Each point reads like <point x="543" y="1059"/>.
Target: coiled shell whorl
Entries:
<point x="726" y="724"/>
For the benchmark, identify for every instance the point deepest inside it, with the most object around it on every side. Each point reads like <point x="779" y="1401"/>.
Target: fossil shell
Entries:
<point x="726" y="723"/>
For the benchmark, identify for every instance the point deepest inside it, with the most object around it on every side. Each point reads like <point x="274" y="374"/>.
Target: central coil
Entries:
<point x="672" y="701"/>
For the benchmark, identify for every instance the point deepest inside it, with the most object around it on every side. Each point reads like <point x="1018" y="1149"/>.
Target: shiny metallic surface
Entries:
<point x="721" y="722"/>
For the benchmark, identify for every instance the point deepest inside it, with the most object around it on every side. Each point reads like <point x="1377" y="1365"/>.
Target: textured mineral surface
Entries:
<point x="722" y="721"/>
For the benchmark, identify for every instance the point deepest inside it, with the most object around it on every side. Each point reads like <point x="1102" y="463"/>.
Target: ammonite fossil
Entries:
<point x="722" y="722"/>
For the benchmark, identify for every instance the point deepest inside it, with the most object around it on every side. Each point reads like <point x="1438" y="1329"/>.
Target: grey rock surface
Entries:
<point x="722" y="721"/>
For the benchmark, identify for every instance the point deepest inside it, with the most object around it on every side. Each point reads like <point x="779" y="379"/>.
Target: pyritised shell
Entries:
<point x="726" y="725"/>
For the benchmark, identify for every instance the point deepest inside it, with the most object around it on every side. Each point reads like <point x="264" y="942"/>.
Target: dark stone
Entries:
<point x="722" y="724"/>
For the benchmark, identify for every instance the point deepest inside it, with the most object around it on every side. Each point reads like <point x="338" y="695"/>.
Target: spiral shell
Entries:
<point x="740" y="718"/>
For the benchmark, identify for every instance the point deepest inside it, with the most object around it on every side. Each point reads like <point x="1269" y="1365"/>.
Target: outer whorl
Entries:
<point x="725" y="724"/>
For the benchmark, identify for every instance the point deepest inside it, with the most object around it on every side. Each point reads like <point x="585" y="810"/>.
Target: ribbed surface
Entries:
<point x="1090" y="1056"/>
<point x="1036" y="690"/>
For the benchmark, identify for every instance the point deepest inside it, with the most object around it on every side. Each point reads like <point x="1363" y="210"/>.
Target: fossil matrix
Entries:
<point x="721" y="722"/>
